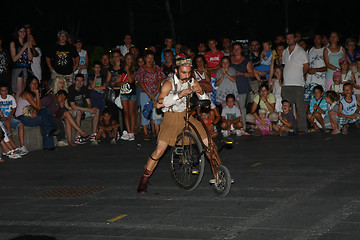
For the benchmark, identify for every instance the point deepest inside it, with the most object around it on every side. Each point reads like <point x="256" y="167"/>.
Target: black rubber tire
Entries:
<point x="223" y="184"/>
<point x="187" y="165"/>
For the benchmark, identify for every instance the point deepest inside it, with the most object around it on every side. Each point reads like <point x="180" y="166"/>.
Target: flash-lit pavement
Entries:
<point x="305" y="187"/>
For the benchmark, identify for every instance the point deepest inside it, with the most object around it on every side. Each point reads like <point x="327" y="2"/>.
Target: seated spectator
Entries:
<point x="97" y="87"/>
<point x="265" y="100"/>
<point x="346" y="74"/>
<point x="330" y="120"/>
<point x="287" y="122"/>
<point x="266" y="59"/>
<point x="43" y="118"/>
<point x="56" y="105"/>
<point x="317" y="110"/>
<point x="59" y="83"/>
<point x="226" y="82"/>
<point x="263" y="128"/>
<point x="107" y="131"/>
<point x="348" y="109"/>
<point x="8" y="108"/>
<point x="80" y="103"/>
<point x="206" y="118"/>
<point x="337" y="85"/>
<point x="7" y="149"/>
<point x="231" y="117"/>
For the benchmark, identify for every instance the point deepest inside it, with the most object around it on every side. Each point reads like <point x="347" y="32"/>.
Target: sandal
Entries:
<point x="335" y="132"/>
<point x="344" y="130"/>
<point x="146" y="137"/>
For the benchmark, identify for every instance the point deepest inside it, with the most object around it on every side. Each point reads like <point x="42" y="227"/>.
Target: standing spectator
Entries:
<point x="226" y="44"/>
<point x="332" y="54"/>
<point x="62" y="59"/>
<point x="296" y="66"/>
<point x="244" y="71"/>
<point x="351" y="53"/>
<point x="200" y="73"/>
<point x="134" y="50"/>
<point x="226" y="82"/>
<point x="83" y="61"/>
<point x="105" y="63"/>
<point x="36" y="67"/>
<point x="30" y="100"/>
<point x="21" y="54"/>
<point x="124" y="49"/>
<point x="337" y="86"/>
<point x="213" y="59"/>
<point x="128" y="96"/>
<point x="178" y="47"/>
<point x="201" y="48"/>
<point x="97" y="86"/>
<point x="168" y="46"/>
<point x="317" y="69"/>
<point x="80" y="103"/>
<point x="254" y="53"/>
<point x="7" y="111"/>
<point x="4" y="65"/>
<point x="168" y="66"/>
<point x="346" y="74"/>
<point x="275" y="83"/>
<point x="149" y="77"/>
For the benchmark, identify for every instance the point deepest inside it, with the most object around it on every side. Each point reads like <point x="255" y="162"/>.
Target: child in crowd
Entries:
<point x="168" y="46"/>
<point x="348" y="109"/>
<point x="330" y="120"/>
<point x="337" y="86"/>
<point x="168" y="67"/>
<point x="266" y="58"/>
<point x="346" y="74"/>
<point x="107" y="131"/>
<point x="287" y="122"/>
<point x="7" y="111"/>
<point x="262" y="130"/>
<point x="7" y="149"/>
<point x="275" y="83"/>
<point x="206" y="118"/>
<point x="317" y="110"/>
<point x="231" y="117"/>
<point x="226" y="82"/>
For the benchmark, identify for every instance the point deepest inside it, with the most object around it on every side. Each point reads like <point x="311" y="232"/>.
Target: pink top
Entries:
<point x="267" y="125"/>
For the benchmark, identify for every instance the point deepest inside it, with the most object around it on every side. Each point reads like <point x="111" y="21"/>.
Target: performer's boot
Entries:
<point x="144" y="181"/>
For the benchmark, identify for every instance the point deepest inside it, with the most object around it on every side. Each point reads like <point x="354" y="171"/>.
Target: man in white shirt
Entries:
<point x="124" y="49"/>
<point x="296" y="66"/>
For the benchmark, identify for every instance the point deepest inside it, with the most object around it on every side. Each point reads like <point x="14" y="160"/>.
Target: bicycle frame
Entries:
<point x="211" y="149"/>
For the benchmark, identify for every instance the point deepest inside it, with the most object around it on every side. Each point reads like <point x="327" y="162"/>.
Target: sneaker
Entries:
<point x="92" y="138"/>
<point x="62" y="143"/>
<point x="21" y="151"/>
<point x="125" y="135"/>
<point x="238" y="133"/>
<point x="80" y="140"/>
<point x="12" y="154"/>
<point x="131" y="137"/>
<point x="113" y="141"/>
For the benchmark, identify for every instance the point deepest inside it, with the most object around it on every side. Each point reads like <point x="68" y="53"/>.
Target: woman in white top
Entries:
<point x="201" y="75"/>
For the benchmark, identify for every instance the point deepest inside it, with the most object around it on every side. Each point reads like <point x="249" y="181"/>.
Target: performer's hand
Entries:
<point x="197" y="88"/>
<point x="185" y="92"/>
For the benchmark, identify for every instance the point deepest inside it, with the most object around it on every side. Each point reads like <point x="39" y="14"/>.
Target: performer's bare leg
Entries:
<point x="151" y="165"/>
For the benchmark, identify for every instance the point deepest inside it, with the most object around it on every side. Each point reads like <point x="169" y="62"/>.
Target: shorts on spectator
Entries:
<point x="342" y="121"/>
<point x="15" y="123"/>
<point x="128" y="97"/>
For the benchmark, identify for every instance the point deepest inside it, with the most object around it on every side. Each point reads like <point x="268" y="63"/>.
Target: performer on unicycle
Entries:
<point x="172" y="100"/>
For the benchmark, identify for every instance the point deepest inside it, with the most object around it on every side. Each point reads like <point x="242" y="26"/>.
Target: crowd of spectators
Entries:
<point x="288" y="86"/>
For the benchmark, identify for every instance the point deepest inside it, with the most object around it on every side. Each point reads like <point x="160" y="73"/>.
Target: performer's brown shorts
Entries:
<point x="172" y="125"/>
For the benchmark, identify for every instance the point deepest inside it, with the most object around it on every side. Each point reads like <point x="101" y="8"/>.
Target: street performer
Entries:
<point x="172" y="101"/>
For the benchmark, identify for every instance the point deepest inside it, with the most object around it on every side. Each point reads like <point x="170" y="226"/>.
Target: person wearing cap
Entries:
<point x="62" y="59"/>
<point x="346" y="74"/>
<point x="337" y="85"/>
<point x="172" y="101"/>
<point x="83" y="61"/>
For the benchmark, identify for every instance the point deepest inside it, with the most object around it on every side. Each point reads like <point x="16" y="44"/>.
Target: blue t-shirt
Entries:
<point x="321" y="103"/>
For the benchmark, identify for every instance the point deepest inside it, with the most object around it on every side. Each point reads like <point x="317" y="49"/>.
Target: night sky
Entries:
<point x="105" y="22"/>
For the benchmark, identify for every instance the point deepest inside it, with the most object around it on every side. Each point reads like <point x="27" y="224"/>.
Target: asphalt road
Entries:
<point x="302" y="187"/>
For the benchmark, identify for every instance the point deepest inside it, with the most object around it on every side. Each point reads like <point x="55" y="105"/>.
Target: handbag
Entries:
<point x="110" y="94"/>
